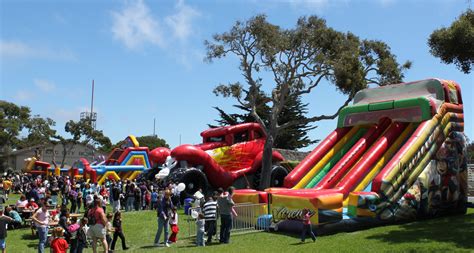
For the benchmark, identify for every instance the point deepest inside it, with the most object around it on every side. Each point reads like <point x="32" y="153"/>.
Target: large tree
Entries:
<point x="455" y="44"/>
<point x="294" y="137"/>
<point x="298" y="60"/>
<point x="83" y="133"/>
<point x="40" y="132"/>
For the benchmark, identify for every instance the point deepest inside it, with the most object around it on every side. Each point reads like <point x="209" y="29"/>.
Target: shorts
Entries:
<point x="97" y="231"/>
<point x="3" y="244"/>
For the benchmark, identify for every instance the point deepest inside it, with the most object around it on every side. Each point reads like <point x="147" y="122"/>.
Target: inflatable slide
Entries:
<point x="397" y="153"/>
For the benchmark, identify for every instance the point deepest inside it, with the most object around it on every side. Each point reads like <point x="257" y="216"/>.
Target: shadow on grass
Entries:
<point x="450" y="229"/>
<point x="29" y="236"/>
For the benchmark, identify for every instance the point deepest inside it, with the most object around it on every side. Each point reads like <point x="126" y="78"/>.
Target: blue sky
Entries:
<point x="146" y="57"/>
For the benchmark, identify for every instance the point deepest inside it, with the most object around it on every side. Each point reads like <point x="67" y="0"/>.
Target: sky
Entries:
<point x="146" y="57"/>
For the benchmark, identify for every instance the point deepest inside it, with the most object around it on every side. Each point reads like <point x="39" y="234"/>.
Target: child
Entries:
<point x="200" y="222"/>
<point x="59" y="244"/>
<point x="118" y="232"/>
<point x="174" y="225"/>
<point x="82" y="235"/>
<point x="73" y="231"/>
<point x="109" y="228"/>
<point x="306" y="215"/>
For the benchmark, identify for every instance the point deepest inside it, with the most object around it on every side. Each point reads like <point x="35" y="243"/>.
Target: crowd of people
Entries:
<point x="72" y="214"/>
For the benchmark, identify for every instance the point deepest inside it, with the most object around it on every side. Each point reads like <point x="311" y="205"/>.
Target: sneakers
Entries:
<point x="167" y="245"/>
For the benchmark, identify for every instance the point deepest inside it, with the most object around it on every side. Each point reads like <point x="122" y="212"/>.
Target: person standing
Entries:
<point x="118" y="231"/>
<point x="59" y="244"/>
<point x="41" y="220"/>
<point x="200" y="225"/>
<point x="225" y="204"/>
<point x="174" y="226"/>
<point x="115" y="197"/>
<point x="4" y="220"/>
<point x="164" y="211"/>
<point x="210" y="214"/>
<point x="97" y="220"/>
<point x="306" y="226"/>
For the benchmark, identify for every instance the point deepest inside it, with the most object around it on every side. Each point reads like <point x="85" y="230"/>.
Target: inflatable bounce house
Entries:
<point x="36" y="167"/>
<point x="398" y="153"/>
<point x="230" y="155"/>
<point x="124" y="163"/>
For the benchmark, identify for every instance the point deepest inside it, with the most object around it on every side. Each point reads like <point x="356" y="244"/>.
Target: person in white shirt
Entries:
<point x="41" y="220"/>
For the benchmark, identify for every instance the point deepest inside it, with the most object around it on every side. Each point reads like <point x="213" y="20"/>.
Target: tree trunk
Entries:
<point x="265" y="176"/>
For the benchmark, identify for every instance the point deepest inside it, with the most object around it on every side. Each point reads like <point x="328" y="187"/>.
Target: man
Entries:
<point x="210" y="215"/>
<point x="165" y="205"/>
<point x="41" y="220"/>
<point x="97" y="222"/>
<point x="225" y="204"/>
<point x="4" y="220"/>
<point x="115" y="197"/>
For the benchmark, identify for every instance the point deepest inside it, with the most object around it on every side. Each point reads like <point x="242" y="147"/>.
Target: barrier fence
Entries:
<point x="245" y="221"/>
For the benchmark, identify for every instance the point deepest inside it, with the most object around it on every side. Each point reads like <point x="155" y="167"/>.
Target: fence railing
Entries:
<point x="245" y="221"/>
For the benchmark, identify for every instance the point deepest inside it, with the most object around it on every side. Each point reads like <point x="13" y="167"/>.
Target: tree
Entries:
<point x="151" y="142"/>
<point x="13" y="119"/>
<point x="294" y="137"/>
<point x="40" y="132"/>
<point x="83" y="133"/>
<point x="455" y="44"/>
<point x="298" y="60"/>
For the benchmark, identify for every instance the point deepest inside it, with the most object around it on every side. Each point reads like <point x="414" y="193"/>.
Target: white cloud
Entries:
<point x="181" y="22"/>
<point x="17" y="49"/>
<point x="44" y="85"/>
<point x="134" y="26"/>
<point x="23" y="95"/>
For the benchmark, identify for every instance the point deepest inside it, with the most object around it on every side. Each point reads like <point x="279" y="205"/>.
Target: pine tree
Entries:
<point x="294" y="137"/>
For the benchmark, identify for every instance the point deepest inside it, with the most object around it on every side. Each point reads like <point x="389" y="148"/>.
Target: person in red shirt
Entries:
<point x="32" y="205"/>
<point x="306" y="216"/>
<point x="59" y="244"/>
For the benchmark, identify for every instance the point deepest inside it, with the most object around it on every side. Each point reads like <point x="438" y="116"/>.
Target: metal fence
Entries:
<point x="245" y="221"/>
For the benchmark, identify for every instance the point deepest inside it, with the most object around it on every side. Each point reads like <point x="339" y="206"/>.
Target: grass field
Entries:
<point x="447" y="234"/>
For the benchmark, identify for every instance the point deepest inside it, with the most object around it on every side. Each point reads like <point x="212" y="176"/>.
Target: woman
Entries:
<point x="118" y="231"/>
<point x="164" y="212"/>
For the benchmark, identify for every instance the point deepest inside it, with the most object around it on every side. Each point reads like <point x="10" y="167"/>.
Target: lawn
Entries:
<point x="445" y="234"/>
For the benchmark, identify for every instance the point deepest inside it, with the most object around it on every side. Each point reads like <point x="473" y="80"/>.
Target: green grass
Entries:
<point x="445" y="234"/>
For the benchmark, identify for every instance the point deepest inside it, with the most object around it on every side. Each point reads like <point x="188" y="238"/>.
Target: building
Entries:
<point x="16" y="159"/>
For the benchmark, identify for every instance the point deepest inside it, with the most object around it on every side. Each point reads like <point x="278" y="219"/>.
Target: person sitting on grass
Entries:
<point x="200" y="223"/>
<point x="59" y="244"/>
<point x="306" y="215"/>
<point x="174" y="225"/>
<point x="118" y="231"/>
<point x="4" y="220"/>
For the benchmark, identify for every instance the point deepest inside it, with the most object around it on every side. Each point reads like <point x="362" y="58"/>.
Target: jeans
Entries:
<point x="226" y="226"/>
<point x="210" y="229"/>
<point x="73" y="245"/>
<point x="307" y="230"/>
<point x="130" y="203"/>
<point x="116" y="205"/>
<point x="80" y="247"/>
<point x="200" y="238"/>
<point x="162" y="223"/>
<point x="43" y="236"/>
<point x="73" y="206"/>
<point x="122" y="238"/>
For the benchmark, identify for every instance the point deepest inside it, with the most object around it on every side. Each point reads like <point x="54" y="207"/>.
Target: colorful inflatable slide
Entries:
<point x="398" y="153"/>
<point x="124" y="163"/>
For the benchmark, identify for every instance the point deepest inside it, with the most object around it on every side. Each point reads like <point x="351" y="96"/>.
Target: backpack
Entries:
<point x="91" y="217"/>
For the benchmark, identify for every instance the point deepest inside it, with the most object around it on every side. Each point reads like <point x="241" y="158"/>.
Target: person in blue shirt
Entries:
<point x="165" y="206"/>
<point x="154" y="200"/>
